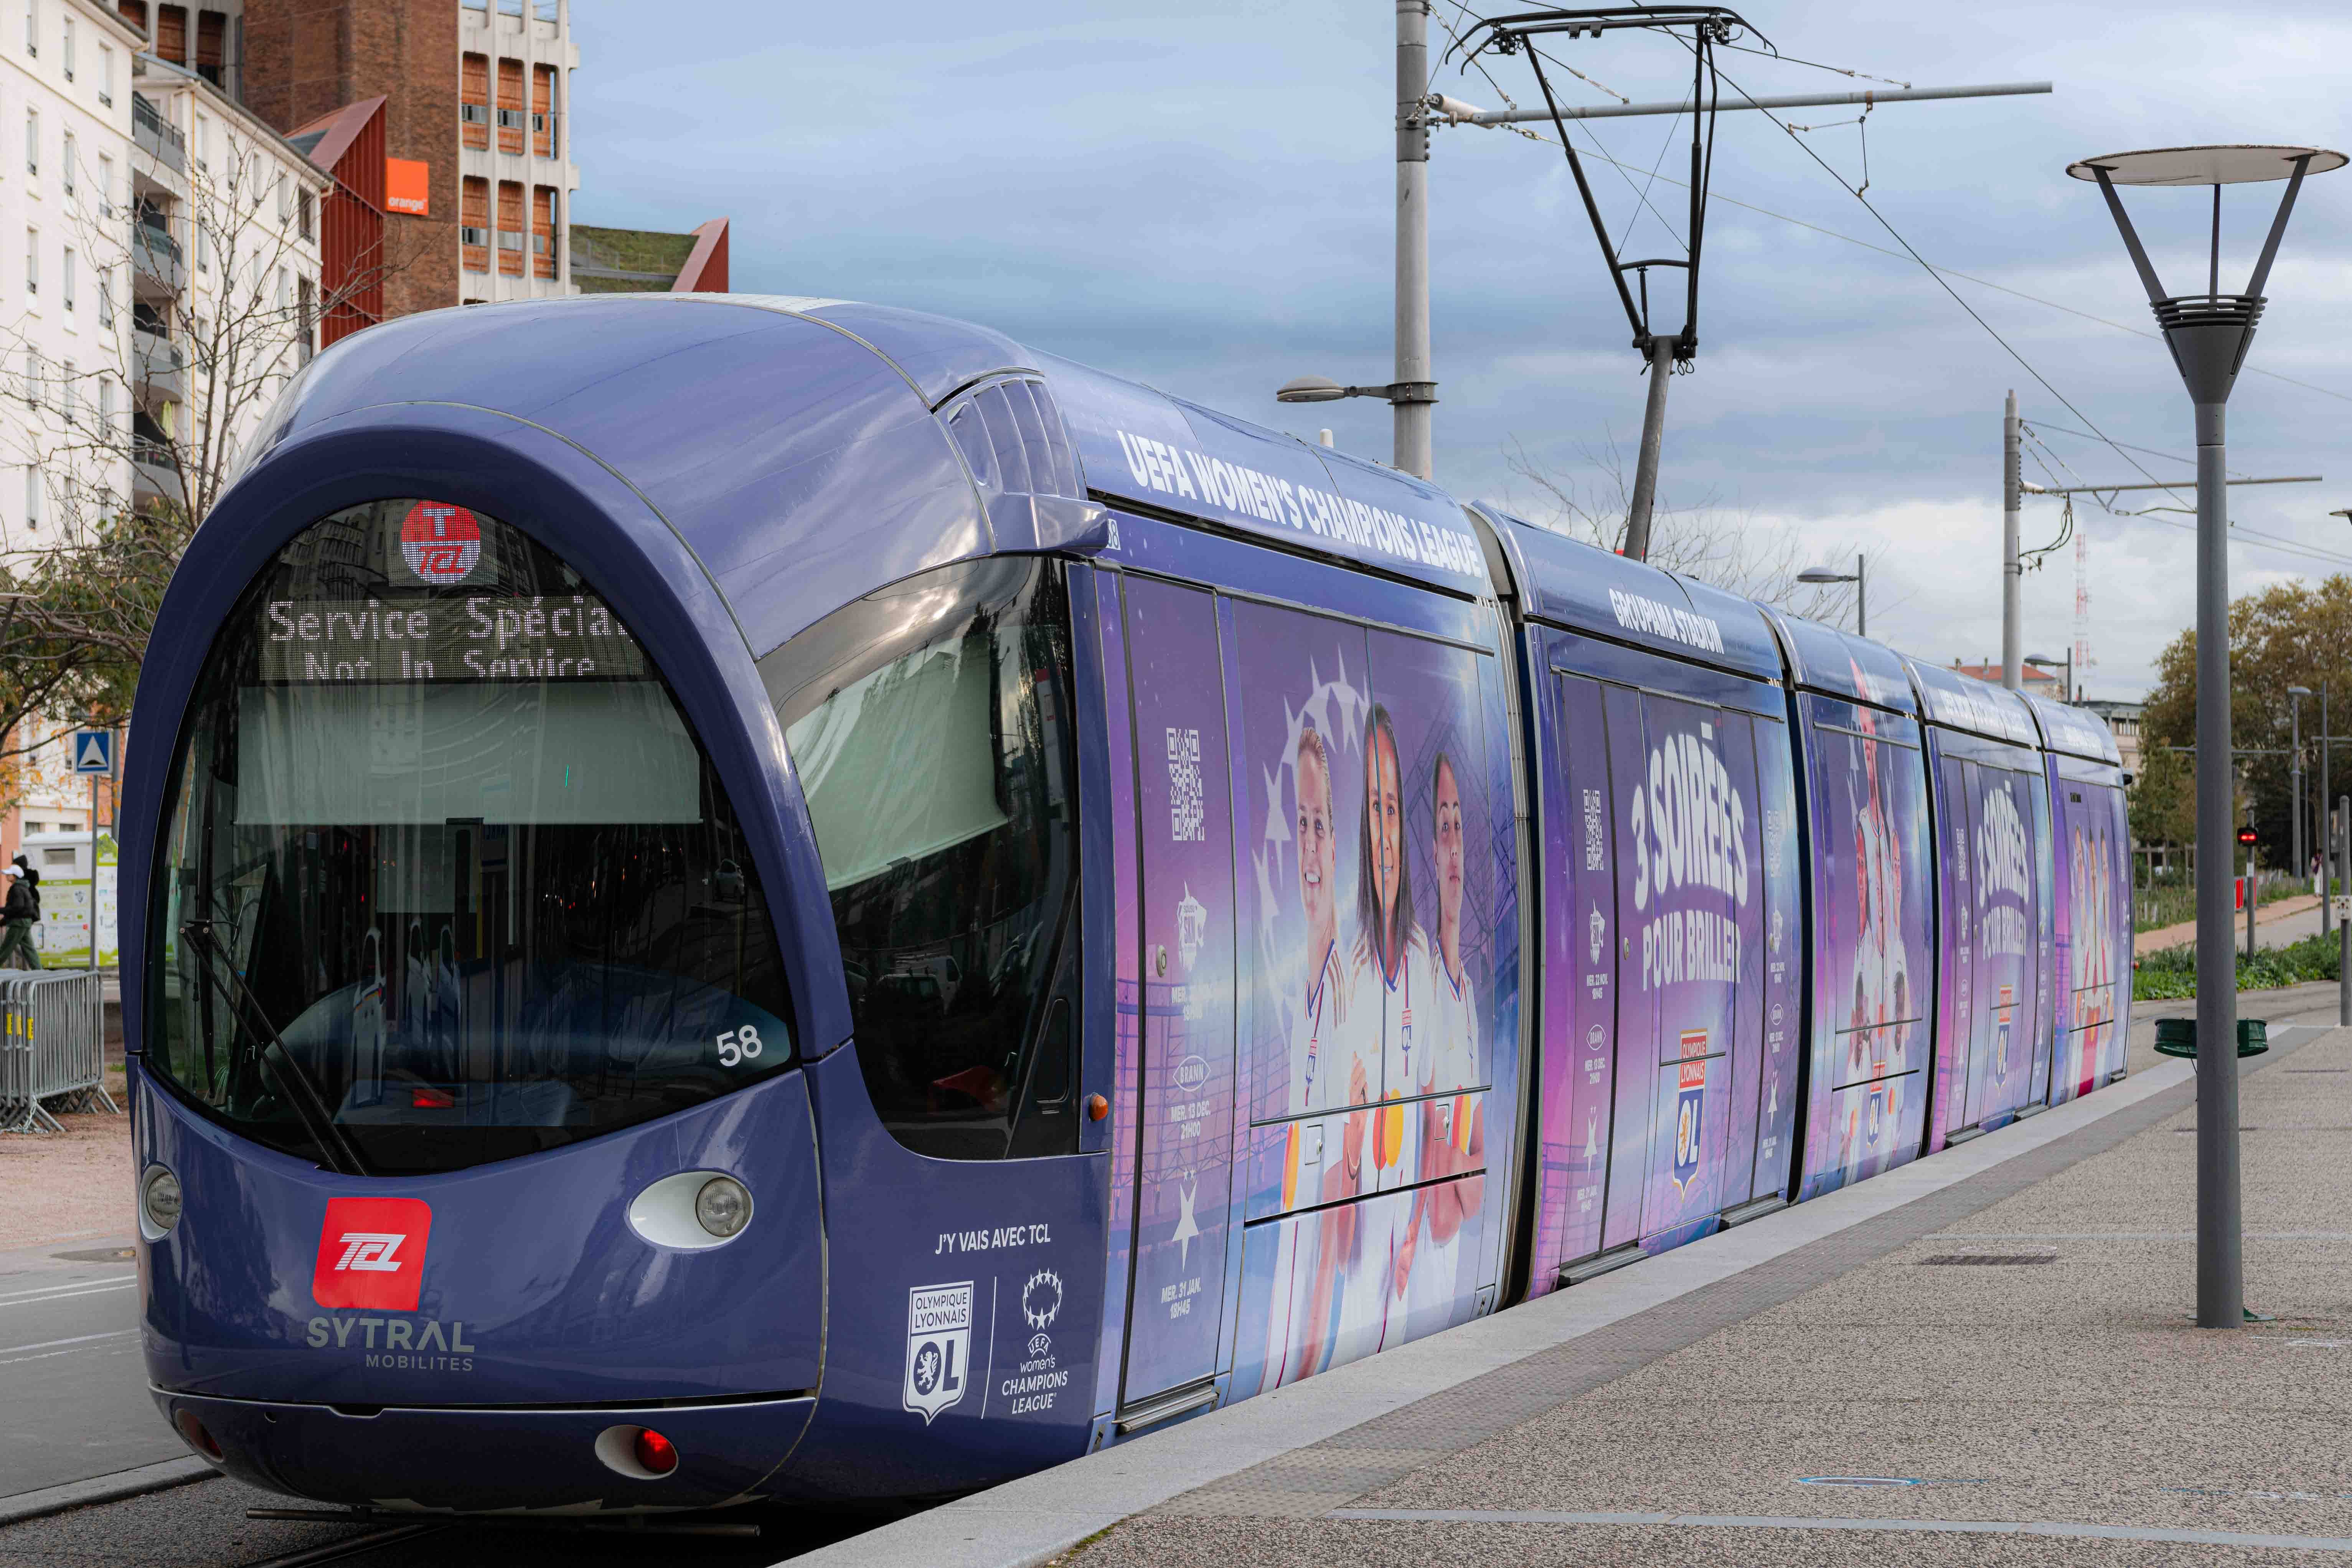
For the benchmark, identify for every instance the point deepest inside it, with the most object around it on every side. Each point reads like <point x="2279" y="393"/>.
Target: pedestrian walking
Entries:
<point x="21" y="913"/>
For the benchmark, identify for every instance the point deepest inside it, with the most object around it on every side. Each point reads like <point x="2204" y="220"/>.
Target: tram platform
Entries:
<point x="1985" y="1356"/>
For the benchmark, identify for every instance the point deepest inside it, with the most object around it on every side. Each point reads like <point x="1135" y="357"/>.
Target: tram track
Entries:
<point x="352" y="1546"/>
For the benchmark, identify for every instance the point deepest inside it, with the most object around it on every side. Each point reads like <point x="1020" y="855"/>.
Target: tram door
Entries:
<point x="1184" y="830"/>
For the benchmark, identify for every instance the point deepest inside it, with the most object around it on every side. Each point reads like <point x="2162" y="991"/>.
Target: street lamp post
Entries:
<point x="2295" y="696"/>
<point x="2208" y="336"/>
<point x="2043" y="661"/>
<point x="1859" y="577"/>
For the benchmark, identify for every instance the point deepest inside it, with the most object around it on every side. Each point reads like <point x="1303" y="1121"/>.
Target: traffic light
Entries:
<point x="2248" y="835"/>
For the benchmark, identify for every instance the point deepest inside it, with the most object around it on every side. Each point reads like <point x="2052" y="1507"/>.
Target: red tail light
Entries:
<point x="656" y="1452"/>
<point x="202" y="1441"/>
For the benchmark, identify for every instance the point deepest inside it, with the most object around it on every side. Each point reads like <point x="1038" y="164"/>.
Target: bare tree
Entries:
<point x="207" y="305"/>
<point x="1703" y="538"/>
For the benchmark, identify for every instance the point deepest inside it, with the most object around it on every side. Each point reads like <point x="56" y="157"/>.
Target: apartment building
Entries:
<point x="224" y="277"/>
<point x="517" y="179"/>
<point x="476" y="166"/>
<point x="66" y="183"/>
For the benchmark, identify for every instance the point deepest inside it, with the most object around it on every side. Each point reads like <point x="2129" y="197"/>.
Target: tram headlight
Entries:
<point x="159" y="1200"/>
<point x="722" y="1206"/>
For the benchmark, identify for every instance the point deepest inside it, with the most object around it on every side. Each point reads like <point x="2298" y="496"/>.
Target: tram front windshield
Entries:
<point x="450" y="877"/>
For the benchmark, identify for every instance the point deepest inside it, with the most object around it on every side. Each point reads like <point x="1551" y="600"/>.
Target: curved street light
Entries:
<point x="1824" y="574"/>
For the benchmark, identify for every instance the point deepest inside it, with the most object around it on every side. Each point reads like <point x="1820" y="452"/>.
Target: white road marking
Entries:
<point x="76" y="1339"/>
<point x="62" y="1292"/>
<point x="1912" y="1526"/>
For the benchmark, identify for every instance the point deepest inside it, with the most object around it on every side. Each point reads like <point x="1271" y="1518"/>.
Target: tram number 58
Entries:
<point x="737" y="1046"/>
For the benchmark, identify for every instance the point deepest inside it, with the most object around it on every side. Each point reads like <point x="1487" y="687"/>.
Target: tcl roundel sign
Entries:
<point x="441" y="542"/>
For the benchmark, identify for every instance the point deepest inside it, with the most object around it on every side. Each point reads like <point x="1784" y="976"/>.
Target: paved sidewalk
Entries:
<point x="2002" y="1371"/>
<point x="2280" y="924"/>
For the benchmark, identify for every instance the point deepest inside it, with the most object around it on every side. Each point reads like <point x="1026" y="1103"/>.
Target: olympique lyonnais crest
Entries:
<point x="440" y="542"/>
<point x="1873" y="1121"/>
<point x="938" y="1348"/>
<point x="1191" y="927"/>
<point x="1690" y="1116"/>
<point x="2000" y="1034"/>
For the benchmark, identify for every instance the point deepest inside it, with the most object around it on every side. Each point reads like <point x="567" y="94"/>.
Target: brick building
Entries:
<point x="476" y="177"/>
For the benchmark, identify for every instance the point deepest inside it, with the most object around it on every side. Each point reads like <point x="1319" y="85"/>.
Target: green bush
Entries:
<point x="2172" y="972"/>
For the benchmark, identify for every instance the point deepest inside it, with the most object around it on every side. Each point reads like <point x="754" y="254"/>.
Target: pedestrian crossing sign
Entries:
<point x="93" y="751"/>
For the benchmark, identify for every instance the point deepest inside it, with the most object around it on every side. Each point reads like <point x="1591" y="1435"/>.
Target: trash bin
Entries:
<point x="2178" y="1036"/>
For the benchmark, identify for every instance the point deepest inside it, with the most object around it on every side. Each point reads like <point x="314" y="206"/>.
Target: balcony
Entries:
<point x="156" y="264"/>
<point x="161" y="369"/>
<point x="153" y="475"/>
<point x="156" y="136"/>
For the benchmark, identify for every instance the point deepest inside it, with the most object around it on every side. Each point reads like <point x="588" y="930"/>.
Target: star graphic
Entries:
<point x="1186" y="1228"/>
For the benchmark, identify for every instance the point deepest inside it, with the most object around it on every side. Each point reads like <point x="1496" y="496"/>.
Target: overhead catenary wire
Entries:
<point x="1598" y="152"/>
<point x="2249" y="537"/>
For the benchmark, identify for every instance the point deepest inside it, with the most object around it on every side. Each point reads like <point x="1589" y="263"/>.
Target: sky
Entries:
<point x="1200" y="197"/>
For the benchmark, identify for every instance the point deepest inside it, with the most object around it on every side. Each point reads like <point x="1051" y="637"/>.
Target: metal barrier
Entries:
<point x="52" y="1046"/>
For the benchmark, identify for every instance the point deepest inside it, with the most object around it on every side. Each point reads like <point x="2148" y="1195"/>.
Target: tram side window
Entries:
<point x="929" y="725"/>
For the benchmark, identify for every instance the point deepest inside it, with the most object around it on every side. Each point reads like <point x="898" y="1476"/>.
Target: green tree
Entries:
<point x="2294" y="634"/>
<point x="74" y="623"/>
<point x="2164" y="798"/>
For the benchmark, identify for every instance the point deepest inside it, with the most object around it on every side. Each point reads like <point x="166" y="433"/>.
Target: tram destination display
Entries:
<point x="478" y="638"/>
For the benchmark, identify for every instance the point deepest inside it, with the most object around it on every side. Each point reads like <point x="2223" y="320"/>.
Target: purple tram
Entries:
<point x="752" y="898"/>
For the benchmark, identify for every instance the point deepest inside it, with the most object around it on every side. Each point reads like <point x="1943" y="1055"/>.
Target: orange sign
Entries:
<point x="405" y="186"/>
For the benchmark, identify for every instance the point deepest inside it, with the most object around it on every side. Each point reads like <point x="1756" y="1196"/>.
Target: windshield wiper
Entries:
<point x="302" y="1090"/>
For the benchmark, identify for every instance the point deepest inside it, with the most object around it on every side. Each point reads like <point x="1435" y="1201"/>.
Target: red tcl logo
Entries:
<point x="372" y="1253"/>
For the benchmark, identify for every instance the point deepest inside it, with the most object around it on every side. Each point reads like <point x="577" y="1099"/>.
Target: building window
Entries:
<point x="66" y="46"/>
<point x="212" y="32"/>
<point x="542" y="111"/>
<point x="204" y="142"/>
<point x="66" y="164"/>
<point x="474" y="101"/>
<point x="106" y="75"/>
<point x="32" y="261"/>
<point x="204" y="246"/>
<point x="106" y="406"/>
<point x="285" y="197"/>
<point x="513" y="234"/>
<point x="105" y="187"/>
<point x="474" y="223"/>
<point x="512" y="112"/>
<point x="302" y="207"/>
<point x="542" y="231"/>
<point x="32" y="27"/>
<point x="66" y="277"/>
<point x="33" y="377"/>
<point x="68" y="394"/>
<point x="306" y="308"/>
<point x="33" y="497"/>
<point x="32" y="141"/>
<point x="105" y="300"/>
<point x="171" y="32"/>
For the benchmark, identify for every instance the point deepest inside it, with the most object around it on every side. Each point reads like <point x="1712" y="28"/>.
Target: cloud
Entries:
<point x="1202" y="196"/>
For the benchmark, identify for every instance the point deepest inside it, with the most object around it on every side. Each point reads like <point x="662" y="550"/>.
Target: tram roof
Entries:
<point x="791" y="442"/>
<point x="1573" y="583"/>
<point x="2077" y="732"/>
<point x="1958" y="701"/>
<point x="1840" y="664"/>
